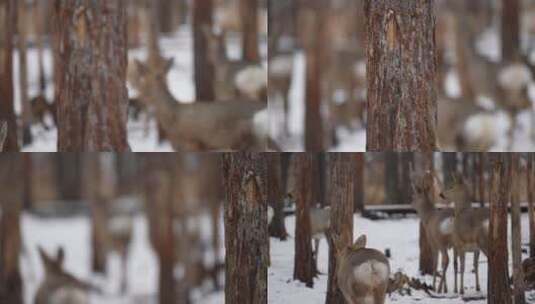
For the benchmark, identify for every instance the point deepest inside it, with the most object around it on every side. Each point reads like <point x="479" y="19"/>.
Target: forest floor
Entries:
<point x="74" y="235"/>
<point x="398" y="235"/>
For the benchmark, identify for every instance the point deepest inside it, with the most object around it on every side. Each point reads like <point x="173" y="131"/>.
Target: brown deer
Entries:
<point x="438" y="226"/>
<point x="3" y="134"/>
<point x="234" y="78"/>
<point x="59" y="286"/>
<point x="217" y="125"/>
<point x="280" y="81"/>
<point x="120" y="228"/>
<point x="362" y="273"/>
<point x="470" y="227"/>
<point x="40" y="108"/>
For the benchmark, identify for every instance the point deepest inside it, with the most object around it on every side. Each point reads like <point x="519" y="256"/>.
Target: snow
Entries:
<point x="400" y="236"/>
<point x="74" y="235"/>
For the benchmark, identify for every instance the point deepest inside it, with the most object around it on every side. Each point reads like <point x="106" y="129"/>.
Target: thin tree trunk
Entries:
<point x="341" y="186"/>
<point x="391" y="178"/>
<point x="510" y="30"/>
<point x="8" y="9"/>
<point x="249" y="22"/>
<point x="314" y="129"/>
<point x="426" y="260"/>
<point x="204" y="68"/>
<point x="402" y="109"/>
<point x="518" y="273"/>
<point x="531" y="210"/>
<point x="405" y="183"/>
<point x="246" y="233"/>
<point x="303" y="260"/>
<point x="498" y="279"/>
<point x="449" y="167"/>
<point x="275" y="197"/>
<point x="23" y="73"/>
<point x="481" y="178"/>
<point x="90" y="61"/>
<point x="11" y="285"/>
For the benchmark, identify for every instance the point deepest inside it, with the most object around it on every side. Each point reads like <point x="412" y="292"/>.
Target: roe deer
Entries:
<point x="234" y="78"/>
<point x="120" y="228"/>
<point x="280" y="80"/>
<point x="470" y="227"/>
<point x="362" y="273"/>
<point x="218" y="125"/>
<point x="59" y="286"/>
<point x="438" y="224"/>
<point x="40" y="108"/>
<point x="3" y="134"/>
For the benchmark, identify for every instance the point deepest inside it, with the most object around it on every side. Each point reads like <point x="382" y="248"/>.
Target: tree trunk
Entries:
<point x="518" y="273"/>
<point x="391" y="178"/>
<point x="359" y="182"/>
<point x="405" y="184"/>
<point x="249" y="22"/>
<point x="402" y="109"/>
<point x="303" y="260"/>
<point x="531" y="208"/>
<point x="99" y="207"/>
<point x="498" y="280"/>
<point x="341" y="182"/>
<point x="159" y="205"/>
<point x="510" y="30"/>
<point x="204" y="68"/>
<point x="246" y="233"/>
<point x="314" y="131"/>
<point x="23" y="74"/>
<point x="8" y="9"/>
<point x="481" y="178"/>
<point x="425" y="163"/>
<point x="275" y="197"/>
<point x="10" y="236"/>
<point x="90" y="62"/>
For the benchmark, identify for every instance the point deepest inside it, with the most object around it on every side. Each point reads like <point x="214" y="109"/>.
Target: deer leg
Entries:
<point x="476" y="269"/>
<point x="455" y="269"/>
<point x="435" y="266"/>
<point x="285" y="102"/>
<point x="445" y="264"/>
<point x="462" y="256"/>
<point x="316" y="249"/>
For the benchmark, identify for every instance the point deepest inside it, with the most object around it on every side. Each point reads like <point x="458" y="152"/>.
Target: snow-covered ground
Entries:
<point x="74" y="235"/>
<point x="399" y="235"/>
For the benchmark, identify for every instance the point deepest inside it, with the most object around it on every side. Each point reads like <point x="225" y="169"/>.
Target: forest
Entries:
<point x="133" y="75"/>
<point x="436" y="75"/>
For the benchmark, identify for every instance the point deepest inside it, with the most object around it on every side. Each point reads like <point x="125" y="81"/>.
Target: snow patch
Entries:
<point x="446" y="226"/>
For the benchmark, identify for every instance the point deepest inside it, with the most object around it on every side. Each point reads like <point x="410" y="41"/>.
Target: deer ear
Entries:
<point x="60" y="255"/>
<point x="47" y="261"/>
<point x="360" y="242"/>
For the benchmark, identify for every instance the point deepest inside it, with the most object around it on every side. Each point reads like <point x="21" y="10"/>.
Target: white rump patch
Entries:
<point x="270" y="214"/>
<point x="514" y="77"/>
<point x="261" y="123"/>
<point x="121" y="225"/>
<point x="367" y="300"/>
<point x="486" y="225"/>
<point x="281" y="65"/>
<point x="251" y="81"/>
<point x="446" y="226"/>
<point x="68" y="295"/>
<point x="371" y="273"/>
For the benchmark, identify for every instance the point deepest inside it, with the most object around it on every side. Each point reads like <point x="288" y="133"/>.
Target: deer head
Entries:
<point x="216" y="48"/>
<point x="149" y="79"/>
<point x="342" y="249"/>
<point x="457" y="190"/>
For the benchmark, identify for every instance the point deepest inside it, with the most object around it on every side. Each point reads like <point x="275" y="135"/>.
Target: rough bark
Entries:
<point x="249" y="17"/>
<point x="402" y="109"/>
<point x="304" y="266"/>
<point x="405" y="183"/>
<point x="498" y="279"/>
<point x="359" y="182"/>
<point x="8" y="21"/>
<point x="246" y="233"/>
<point x="90" y="63"/>
<point x="275" y="197"/>
<point x="341" y="186"/>
<point x="516" y="234"/>
<point x="481" y="177"/>
<point x="11" y="285"/>
<point x="391" y="178"/>
<point x="510" y="30"/>
<point x="204" y="68"/>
